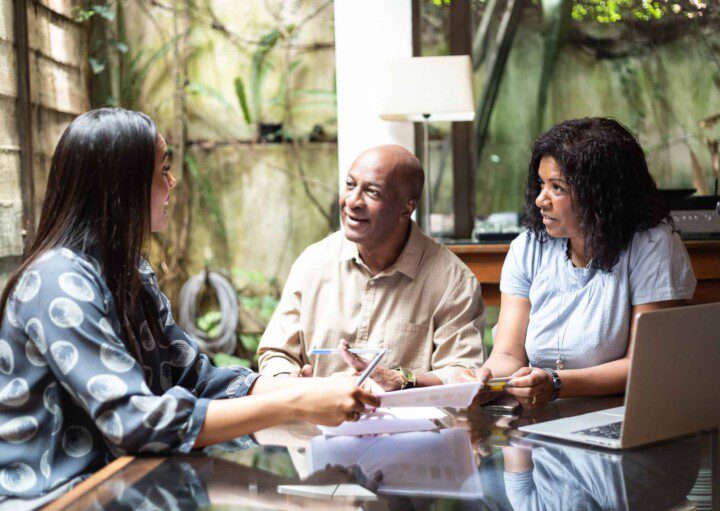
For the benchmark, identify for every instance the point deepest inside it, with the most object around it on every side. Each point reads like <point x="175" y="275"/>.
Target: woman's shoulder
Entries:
<point x="59" y="269"/>
<point x="661" y="238"/>
<point x="62" y="259"/>
<point x="530" y="245"/>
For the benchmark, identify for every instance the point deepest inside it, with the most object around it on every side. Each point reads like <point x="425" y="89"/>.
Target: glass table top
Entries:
<point x="473" y="460"/>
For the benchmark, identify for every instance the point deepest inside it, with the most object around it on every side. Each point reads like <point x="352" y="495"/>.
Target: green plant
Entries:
<point x="612" y="11"/>
<point x="287" y="98"/>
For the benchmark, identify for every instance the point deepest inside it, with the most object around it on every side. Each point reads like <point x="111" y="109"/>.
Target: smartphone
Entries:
<point x="504" y="403"/>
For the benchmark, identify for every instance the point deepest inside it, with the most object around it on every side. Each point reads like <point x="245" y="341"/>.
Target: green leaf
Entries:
<point x="250" y="342"/>
<point x="83" y="14"/>
<point x="258" y="69"/>
<point x="250" y="302"/>
<point x="225" y="360"/>
<point x="293" y="66"/>
<point x="105" y="11"/>
<point x="204" y="90"/>
<point x="119" y="46"/>
<point x="242" y="99"/>
<point x="209" y="320"/>
<point x="97" y="66"/>
<point x="250" y="276"/>
<point x="268" y="306"/>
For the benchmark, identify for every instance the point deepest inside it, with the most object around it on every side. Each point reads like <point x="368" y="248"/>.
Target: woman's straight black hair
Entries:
<point x="98" y="195"/>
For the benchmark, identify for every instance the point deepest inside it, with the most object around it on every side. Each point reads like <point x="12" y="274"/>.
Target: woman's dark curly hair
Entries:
<point x="612" y="191"/>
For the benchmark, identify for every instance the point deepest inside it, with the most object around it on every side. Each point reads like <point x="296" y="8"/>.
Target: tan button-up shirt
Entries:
<point x="426" y="308"/>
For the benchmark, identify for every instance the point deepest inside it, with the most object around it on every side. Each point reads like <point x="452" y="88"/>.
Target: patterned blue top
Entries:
<point x="72" y="397"/>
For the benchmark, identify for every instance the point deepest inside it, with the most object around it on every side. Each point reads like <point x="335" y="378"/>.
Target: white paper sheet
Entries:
<point x="454" y="395"/>
<point x="389" y="420"/>
<point x="343" y="491"/>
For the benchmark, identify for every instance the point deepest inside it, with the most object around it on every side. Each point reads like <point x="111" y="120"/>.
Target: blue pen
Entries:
<point x="359" y="351"/>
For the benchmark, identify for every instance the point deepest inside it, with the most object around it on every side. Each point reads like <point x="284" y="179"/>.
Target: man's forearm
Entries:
<point x="427" y="380"/>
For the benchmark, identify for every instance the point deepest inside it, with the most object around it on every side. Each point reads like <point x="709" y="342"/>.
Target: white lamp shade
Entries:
<point x="439" y="86"/>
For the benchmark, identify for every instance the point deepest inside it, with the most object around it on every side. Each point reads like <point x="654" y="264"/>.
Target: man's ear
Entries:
<point x="410" y="206"/>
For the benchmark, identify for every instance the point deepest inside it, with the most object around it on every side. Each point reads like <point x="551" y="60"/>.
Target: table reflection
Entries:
<point x="545" y="475"/>
<point x="435" y="463"/>
<point x="451" y="468"/>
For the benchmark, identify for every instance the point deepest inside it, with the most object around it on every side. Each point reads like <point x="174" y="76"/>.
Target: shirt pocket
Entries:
<point x="408" y="346"/>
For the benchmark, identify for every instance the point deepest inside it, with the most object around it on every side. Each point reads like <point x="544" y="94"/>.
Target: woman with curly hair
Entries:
<point x="598" y="249"/>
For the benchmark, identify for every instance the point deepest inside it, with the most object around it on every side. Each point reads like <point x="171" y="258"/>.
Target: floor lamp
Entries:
<point x="424" y="89"/>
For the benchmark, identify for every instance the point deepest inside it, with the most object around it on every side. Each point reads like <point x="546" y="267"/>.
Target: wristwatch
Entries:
<point x="557" y="382"/>
<point x="409" y="379"/>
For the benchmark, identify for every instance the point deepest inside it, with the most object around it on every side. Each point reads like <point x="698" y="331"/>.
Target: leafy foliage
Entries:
<point x="611" y="11"/>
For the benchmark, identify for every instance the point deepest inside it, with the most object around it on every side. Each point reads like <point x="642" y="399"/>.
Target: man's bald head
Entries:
<point x="401" y="168"/>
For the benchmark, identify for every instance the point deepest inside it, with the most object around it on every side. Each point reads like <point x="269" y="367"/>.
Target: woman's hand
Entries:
<point x="332" y="401"/>
<point x="484" y="394"/>
<point x="531" y="386"/>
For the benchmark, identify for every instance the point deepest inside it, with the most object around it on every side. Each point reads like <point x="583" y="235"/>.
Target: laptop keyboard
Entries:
<point x="607" y="431"/>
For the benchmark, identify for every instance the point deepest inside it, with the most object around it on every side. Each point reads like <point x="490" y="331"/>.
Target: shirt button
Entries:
<point x="371" y="283"/>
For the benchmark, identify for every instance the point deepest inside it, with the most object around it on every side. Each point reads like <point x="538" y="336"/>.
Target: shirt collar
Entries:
<point x="407" y="262"/>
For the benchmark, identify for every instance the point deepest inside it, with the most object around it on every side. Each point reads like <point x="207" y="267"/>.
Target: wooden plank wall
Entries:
<point x="58" y="93"/>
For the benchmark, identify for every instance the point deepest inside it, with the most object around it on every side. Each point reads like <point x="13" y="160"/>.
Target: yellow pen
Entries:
<point x="498" y="383"/>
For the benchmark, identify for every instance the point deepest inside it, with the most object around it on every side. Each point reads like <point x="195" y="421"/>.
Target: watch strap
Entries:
<point x="408" y="377"/>
<point x="557" y="382"/>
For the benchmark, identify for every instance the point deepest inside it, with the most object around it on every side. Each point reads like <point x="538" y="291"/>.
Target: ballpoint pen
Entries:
<point x="371" y="366"/>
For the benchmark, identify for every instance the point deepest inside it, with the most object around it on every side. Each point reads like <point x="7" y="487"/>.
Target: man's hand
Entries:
<point x="388" y="379"/>
<point x="305" y="372"/>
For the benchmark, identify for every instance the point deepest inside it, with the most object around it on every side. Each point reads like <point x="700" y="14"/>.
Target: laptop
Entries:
<point x="672" y="388"/>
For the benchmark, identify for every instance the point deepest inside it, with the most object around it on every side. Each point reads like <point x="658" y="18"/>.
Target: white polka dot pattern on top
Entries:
<point x="72" y="392"/>
<point x="65" y="355"/>
<point x="65" y="313"/>
<point x="7" y="360"/>
<point x="15" y="393"/>
<point x="76" y="286"/>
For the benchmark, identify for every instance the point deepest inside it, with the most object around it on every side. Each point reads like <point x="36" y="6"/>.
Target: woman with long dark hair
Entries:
<point x="92" y="364"/>
<point x="599" y="248"/>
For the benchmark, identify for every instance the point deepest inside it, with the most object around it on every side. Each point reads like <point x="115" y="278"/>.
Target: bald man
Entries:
<point x="378" y="283"/>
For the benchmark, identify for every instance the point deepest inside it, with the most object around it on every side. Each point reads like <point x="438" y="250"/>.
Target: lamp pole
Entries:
<point x="426" y="164"/>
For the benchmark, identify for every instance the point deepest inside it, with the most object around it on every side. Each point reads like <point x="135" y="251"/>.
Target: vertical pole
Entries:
<point x="427" y="203"/>
<point x="462" y="132"/>
<point x="24" y="120"/>
<point x="418" y="130"/>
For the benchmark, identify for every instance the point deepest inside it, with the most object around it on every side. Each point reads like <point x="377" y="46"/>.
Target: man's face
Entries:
<point x="372" y="205"/>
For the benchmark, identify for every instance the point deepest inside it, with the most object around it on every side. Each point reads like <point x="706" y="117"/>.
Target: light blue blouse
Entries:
<point x="72" y="397"/>
<point x="582" y="315"/>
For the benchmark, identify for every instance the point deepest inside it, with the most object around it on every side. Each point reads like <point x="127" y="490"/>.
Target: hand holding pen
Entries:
<point x="388" y="379"/>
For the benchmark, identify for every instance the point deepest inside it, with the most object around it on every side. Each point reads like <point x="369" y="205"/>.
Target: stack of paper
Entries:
<point x="409" y="410"/>
<point x="453" y="395"/>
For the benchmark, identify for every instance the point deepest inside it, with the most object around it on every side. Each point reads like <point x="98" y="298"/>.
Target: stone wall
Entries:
<point x="58" y="93"/>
